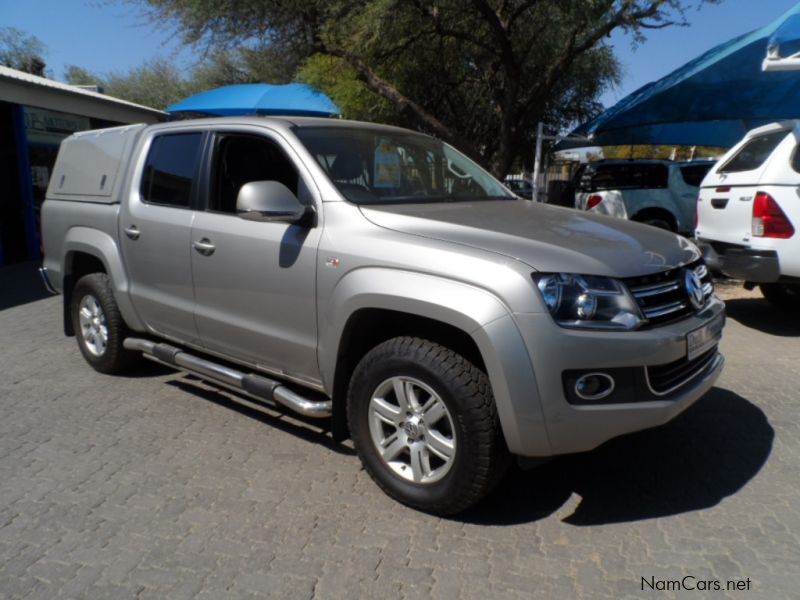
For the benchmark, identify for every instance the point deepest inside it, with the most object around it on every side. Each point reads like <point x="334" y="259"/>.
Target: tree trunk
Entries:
<point x="502" y="159"/>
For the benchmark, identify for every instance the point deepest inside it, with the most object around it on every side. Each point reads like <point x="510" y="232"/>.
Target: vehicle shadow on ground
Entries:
<point x="759" y="314"/>
<point x="308" y="429"/>
<point x="706" y="454"/>
<point x="147" y="368"/>
<point x="19" y="284"/>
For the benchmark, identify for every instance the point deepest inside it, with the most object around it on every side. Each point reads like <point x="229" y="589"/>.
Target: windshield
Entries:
<point x="373" y="166"/>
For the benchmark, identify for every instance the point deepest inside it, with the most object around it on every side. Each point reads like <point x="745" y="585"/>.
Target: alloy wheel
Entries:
<point x="412" y="430"/>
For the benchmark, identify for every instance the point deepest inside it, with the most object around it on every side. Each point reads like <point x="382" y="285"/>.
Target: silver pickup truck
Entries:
<point x="378" y="278"/>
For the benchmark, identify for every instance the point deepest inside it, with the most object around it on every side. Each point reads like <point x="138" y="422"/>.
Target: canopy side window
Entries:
<point x="628" y="176"/>
<point x="754" y="153"/>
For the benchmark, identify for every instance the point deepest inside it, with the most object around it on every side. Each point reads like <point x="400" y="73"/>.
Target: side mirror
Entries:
<point x="269" y="201"/>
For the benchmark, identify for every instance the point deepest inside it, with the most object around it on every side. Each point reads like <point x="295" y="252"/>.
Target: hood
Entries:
<point x="547" y="238"/>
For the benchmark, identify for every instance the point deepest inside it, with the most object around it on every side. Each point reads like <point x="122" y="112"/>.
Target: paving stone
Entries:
<point x="154" y="486"/>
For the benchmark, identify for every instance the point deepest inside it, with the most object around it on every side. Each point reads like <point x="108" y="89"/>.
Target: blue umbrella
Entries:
<point x="712" y="100"/>
<point x="296" y="99"/>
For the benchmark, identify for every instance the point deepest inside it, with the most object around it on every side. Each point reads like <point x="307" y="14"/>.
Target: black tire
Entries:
<point x="113" y="358"/>
<point x="481" y="457"/>
<point x="782" y="296"/>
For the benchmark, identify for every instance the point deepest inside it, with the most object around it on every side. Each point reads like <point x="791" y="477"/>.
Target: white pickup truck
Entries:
<point x="749" y="211"/>
<point x="661" y="193"/>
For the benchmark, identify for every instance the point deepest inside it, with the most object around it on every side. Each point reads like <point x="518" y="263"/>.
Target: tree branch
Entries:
<point x="573" y="49"/>
<point x="443" y="31"/>
<point x="500" y="34"/>
<point x="402" y="103"/>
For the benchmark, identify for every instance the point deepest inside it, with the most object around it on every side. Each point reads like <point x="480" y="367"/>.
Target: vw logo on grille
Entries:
<point x="694" y="288"/>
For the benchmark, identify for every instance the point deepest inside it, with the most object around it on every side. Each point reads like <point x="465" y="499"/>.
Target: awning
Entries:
<point x="712" y="100"/>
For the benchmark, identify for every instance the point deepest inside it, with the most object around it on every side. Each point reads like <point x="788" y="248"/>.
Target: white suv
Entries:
<point x="748" y="211"/>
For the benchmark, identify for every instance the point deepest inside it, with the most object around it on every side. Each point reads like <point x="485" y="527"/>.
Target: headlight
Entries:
<point x="588" y="301"/>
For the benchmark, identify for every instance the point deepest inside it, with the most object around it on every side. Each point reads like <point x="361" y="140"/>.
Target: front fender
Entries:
<point x="474" y="311"/>
<point x="103" y="247"/>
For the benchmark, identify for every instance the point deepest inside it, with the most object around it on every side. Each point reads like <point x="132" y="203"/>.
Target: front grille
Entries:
<point x="663" y="297"/>
<point x="663" y="379"/>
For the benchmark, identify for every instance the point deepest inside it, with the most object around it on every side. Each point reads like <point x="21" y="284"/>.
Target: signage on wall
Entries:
<point x="50" y="127"/>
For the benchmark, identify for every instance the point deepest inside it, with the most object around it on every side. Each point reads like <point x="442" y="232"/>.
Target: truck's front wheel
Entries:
<point x="425" y="425"/>
<point x="98" y="325"/>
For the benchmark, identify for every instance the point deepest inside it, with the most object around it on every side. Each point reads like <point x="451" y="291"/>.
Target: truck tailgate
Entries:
<point x="725" y="213"/>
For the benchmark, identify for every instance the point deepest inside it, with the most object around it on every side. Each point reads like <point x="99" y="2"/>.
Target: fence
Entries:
<point x="554" y="184"/>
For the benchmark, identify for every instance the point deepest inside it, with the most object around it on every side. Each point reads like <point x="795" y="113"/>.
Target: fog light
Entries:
<point x="594" y="386"/>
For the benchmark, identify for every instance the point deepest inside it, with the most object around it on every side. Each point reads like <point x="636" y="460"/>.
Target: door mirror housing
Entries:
<point x="269" y="201"/>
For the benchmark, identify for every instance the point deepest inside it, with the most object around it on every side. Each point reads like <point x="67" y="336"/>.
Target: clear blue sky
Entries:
<point x="104" y="35"/>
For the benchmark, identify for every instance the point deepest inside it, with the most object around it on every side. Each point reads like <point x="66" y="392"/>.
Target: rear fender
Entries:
<point x="103" y="247"/>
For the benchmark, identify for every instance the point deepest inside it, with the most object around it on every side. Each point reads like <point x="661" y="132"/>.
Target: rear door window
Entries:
<point x="754" y="153"/>
<point x="693" y="174"/>
<point x="170" y="169"/>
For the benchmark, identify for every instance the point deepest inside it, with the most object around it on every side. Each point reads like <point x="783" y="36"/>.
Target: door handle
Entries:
<point x="133" y="232"/>
<point x="204" y="247"/>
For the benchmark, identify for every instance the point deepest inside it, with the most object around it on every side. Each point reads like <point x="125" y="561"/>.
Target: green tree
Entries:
<point x="75" y="75"/>
<point x="156" y="83"/>
<point x="222" y="67"/>
<point x="478" y="73"/>
<point x="340" y="81"/>
<point x="21" y="51"/>
<point x="679" y="152"/>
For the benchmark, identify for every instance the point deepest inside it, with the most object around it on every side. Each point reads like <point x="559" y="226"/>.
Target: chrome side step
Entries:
<point x="251" y="384"/>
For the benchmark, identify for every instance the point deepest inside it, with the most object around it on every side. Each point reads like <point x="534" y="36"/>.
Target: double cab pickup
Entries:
<point x="378" y="278"/>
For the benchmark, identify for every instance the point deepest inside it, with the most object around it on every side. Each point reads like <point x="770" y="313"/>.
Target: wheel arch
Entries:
<point x="391" y="303"/>
<point x="656" y="212"/>
<point x="87" y="250"/>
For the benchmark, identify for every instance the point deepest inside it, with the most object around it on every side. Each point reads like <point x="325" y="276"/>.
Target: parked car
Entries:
<point x="378" y="278"/>
<point x="521" y="187"/>
<point x="660" y="193"/>
<point x="749" y="210"/>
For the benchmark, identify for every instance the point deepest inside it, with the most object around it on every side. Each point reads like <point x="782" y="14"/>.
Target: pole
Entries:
<point x="25" y="182"/>
<point x="537" y="162"/>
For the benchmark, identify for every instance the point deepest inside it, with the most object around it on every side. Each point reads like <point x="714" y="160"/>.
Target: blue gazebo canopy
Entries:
<point x="712" y="100"/>
<point x="297" y="99"/>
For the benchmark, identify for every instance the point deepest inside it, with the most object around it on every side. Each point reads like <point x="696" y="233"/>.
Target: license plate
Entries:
<point x="705" y="338"/>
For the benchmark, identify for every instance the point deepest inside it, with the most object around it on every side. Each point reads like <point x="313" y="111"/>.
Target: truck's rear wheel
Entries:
<point x="425" y="425"/>
<point x="783" y="296"/>
<point x="98" y="325"/>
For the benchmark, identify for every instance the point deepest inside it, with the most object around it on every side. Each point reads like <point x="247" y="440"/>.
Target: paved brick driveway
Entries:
<point x="157" y="486"/>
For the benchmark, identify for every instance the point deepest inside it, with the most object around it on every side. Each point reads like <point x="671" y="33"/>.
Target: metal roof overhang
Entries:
<point x="17" y="87"/>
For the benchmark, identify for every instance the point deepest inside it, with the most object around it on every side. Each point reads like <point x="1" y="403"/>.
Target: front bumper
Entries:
<point x="555" y="351"/>
<point x="741" y="262"/>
